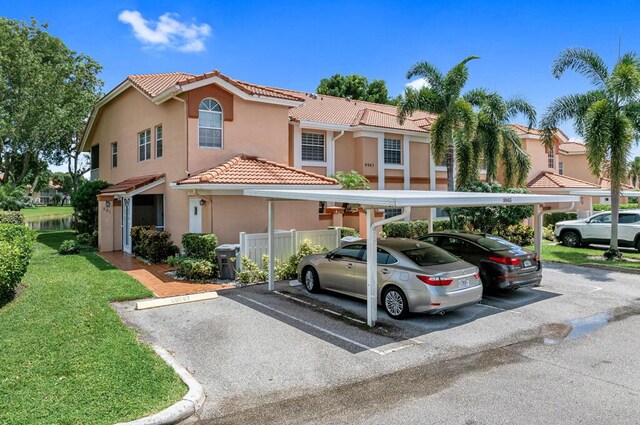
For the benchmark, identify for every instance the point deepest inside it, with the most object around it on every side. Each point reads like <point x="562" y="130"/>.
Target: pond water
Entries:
<point x="49" y="223"/>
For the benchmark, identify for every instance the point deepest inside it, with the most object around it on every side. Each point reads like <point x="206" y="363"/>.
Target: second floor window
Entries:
<point x="114" y="154"/>
<point x="392" y="151"/>
<point x="561" y="168"/>
<point x="313" y="147"/>
<point x="159" y="141"/>
<point x="551" y="159"/>
<point x="144" y="145"/>
<point x="210" y="124"/>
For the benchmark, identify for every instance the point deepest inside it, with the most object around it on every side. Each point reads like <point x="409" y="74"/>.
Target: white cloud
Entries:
<point x="417" y="84"/>
<point x="167" y="32"/>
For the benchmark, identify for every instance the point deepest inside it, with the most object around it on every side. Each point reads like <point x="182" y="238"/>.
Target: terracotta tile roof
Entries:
<point x="605" y="183"/>
<point x="132" y="184"/>
<point x="546" y="180"/>
<point x="523" y="130"/>
<point x="154" y="84"/>
<point x="251" y="170"/>
<point x="572" y="147"/>
<point x="343" y="111"/>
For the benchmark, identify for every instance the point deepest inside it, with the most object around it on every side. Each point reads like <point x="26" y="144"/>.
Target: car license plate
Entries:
<point x="463" y="283"/>
<point x="527" y="263"/>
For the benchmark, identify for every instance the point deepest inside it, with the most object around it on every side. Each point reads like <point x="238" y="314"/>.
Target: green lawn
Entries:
<point x="66" y="357"/>
<point x="31" y="213"/>
<point x="562" y="254"/>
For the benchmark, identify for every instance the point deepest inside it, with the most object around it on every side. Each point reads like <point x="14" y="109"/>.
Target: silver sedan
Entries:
<point x="413" y="276"/>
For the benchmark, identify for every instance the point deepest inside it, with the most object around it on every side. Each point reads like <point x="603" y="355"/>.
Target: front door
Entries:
<point x="195" y="216"/>
<point x="126" y="224"/>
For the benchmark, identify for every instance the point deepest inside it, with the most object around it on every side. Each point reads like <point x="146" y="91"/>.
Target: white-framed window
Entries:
<point x="159" y="141"/>
<point x="144" y="145"/>
<point x="209" y="124"/>
<point x="392" y="212"/>
<point x="392" y="151"/>
<point x="313" y="147"/>
<point x="551" y="159"/>
<point x="561" y="168"/>
<point x="114" y="154"/>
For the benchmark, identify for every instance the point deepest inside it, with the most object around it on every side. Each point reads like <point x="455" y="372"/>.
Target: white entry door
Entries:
<point x="195" y="216"/>
<point x="126" y="224"/>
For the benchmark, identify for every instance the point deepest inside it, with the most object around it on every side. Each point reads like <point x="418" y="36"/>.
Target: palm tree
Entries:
<point x="12" y="198"/>
<point x="455" y="123"/>
<point x="607" y="117"/>
<point x="634" y="171"/>
<point x="495" y="139"/>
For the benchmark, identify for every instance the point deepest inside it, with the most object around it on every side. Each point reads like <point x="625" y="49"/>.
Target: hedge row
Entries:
<point x="200" y="245"/>
<point x="414" y="229"/>
<point x="11" y="217"/>
<point x="152" y="245"/>
<point x="607" y="207"/>
<point x="16" y="247"/>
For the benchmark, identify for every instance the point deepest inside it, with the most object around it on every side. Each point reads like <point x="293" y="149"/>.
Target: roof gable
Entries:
<point x="547" y="180"/>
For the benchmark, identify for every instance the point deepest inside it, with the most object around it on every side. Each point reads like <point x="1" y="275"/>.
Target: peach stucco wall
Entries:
<point x="539" y="157"/>
<point x="577" y="166"/>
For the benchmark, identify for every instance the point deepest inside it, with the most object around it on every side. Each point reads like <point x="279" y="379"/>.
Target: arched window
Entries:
<point x="209" y="124"/>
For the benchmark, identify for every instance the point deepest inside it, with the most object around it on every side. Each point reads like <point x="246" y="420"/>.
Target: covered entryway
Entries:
<point x="138" y="201"/>
<point x="376" y="199"/>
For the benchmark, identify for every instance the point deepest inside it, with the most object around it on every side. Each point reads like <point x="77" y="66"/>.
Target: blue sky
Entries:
<point x="295" y="44"/>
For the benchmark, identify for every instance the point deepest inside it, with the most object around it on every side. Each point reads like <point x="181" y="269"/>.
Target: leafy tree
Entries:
<point x="607" y="117"/>
<point x="453" y="129"/>
<point x="46" y="92"/>
<point x="12" y="198"/>
<point x="495" y="140"/>
<point x="85" y="205"/>
<point x="488" y="219"/>
<point x="352" y="181"/>
<point x="356" y="87"/>
<point x="634" y="171"/>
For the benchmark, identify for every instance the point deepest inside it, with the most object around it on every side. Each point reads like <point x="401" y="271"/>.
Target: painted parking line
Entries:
<point x="498" y="308"/>
<point x="335" y="313"/>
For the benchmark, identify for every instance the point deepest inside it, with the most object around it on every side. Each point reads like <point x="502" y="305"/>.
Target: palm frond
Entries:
<point x="517" y="105"/>
<point x="429" y="72"/>
<point x="456" y="79"/>
<point x="598" y="133"/>
<point x="424" y="99"/>
<point x="583" y="61"/>
<point x="519" y="157"/>
<point x="440" y="137"/>
<point x="624" y="81"/>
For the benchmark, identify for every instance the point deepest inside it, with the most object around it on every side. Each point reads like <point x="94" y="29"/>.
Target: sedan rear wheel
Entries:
<point x="311" y="281"/>
<point x="395" y="303"/>
<point x="571" y="239"/>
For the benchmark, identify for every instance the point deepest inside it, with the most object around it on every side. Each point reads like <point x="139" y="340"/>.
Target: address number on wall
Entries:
<point x="369" y="164"/>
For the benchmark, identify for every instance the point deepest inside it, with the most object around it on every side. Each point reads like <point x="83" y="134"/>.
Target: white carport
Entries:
<point x="371" y="200"/>
<point x="606" y="192"/>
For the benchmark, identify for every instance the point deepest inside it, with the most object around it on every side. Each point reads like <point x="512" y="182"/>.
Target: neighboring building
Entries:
<point x="47" y="197"/>
<point x="180" y="149"/>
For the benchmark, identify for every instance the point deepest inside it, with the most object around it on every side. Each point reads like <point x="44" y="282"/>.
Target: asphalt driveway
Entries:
<point x="295" y="357"/>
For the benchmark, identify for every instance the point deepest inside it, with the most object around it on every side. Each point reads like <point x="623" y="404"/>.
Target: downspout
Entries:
<point x="186" y="130"/>
<point x="372" y="259"/>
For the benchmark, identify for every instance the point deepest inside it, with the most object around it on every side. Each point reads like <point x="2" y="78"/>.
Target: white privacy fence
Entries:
<point x="255" y="245"/>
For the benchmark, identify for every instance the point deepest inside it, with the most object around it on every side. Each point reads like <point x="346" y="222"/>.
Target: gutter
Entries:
<point x="186" y="130"/>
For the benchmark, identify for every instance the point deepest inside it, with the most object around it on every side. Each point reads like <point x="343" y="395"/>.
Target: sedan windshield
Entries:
<point x="494" y="243"/>
<point x="429" y="256"/>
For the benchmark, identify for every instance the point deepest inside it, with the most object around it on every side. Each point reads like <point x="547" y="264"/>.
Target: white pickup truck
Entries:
<point x="597" y="229"/>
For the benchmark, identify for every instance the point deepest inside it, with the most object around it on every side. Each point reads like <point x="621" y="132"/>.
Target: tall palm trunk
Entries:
<point x="615" y="208"/>
<point x="450" y="162"/>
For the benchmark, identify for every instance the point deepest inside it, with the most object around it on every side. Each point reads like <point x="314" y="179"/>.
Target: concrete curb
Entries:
<point x="611" y="268"/>
<point x="190" y="403"/>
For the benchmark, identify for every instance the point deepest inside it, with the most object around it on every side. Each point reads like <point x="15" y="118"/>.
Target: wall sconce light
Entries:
<point x="202" y="202"/>
<point x="107" y="204"/>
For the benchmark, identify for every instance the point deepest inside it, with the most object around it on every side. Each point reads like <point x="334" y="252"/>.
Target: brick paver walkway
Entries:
<point x="154" y="278"/>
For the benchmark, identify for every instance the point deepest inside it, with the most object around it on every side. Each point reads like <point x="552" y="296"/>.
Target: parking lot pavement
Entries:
<point x="252" y="349"/>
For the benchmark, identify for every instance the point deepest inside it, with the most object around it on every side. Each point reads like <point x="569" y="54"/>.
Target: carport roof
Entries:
<point x="412" y="198"/>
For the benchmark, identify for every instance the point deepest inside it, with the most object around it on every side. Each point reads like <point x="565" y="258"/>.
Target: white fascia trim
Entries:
<point x="440" y="168"/>
<point x="146" y="187"/>
<point x="421" y="136"/>
<point x="314" y="163"/>
<point x="230" y="88"/>
<point x="213" y="186"/>
<point x="393" y="166"/>
<point x="317" y="125"/>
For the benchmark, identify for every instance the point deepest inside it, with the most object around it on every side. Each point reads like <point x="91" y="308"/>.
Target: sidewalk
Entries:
<point x="154" y="276"/>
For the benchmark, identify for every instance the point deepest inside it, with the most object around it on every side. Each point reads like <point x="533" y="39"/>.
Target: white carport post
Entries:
<point x="271" y="251"/>
<point x="537" y="229"/>
<point x="372" y="260"/>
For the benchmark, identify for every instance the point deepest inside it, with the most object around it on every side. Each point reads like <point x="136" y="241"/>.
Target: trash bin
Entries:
<point x="349" y="239"/>
<point x="224" y="254"/>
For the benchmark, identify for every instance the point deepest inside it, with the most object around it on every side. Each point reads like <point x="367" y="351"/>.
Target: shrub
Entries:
<point x="553" y="218"/>
<point x="347" y="231"/>
<point x="441" y="225"/>
<point x="518" y="234"/>
<point x="193" y="268"/>
<point x="11" y="217"/>
<point x="69" y="247"/>
<point x="607" y="207"/>
<point x="547" y="233"/>
<point x="251" y="272"/>
<point x="16" y="247"/>
<point x="289" y="270"/>
<point x="410" y="229"/>
<point x="200" y="245"/>
<point x="153" y="245"/>
<point x="12" y="198"/>
<point x="85" y="204"/>
<point x="85" y="238"/>
<point x="137" y="233"/>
